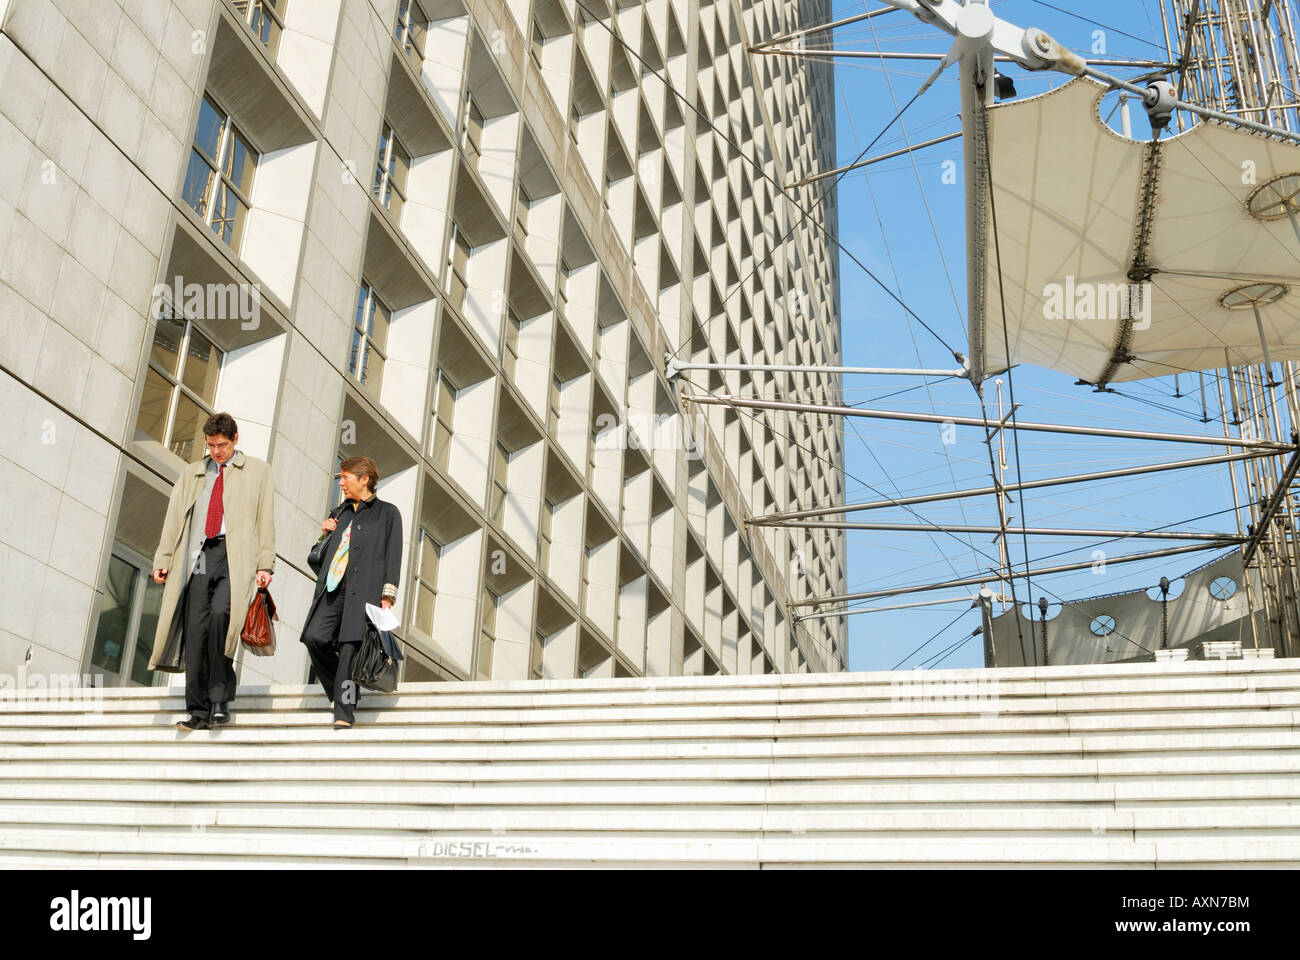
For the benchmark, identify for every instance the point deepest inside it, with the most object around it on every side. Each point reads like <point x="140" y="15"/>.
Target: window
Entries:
<point x="562" y="288"/>
<point x="535" y="660"/>
<point x="1223" y="588"/>
<point x="180" y="387"/>
<point x="586" y="573"/>
<point x="458" y="263"/>
<point x="369" y="339"/>
<point x="500" y="471"/>
<point x="426" y="587"/>
<point x="128" y="618"/>
<point x="535" y="44"/>
<point x="510" y="355"/>
<point x="1102" y="625"/>
<point x="265" y="18"/>
<point x="472" y="140"/>
<point x="544" y="529"/>
<point x="391" y="168"/>
<point x="444" y="407"/>
<point x="553" y="403"/>
<point x="219" y="179"/>
<point x="410" y="30"/>
<point x="487" y="635"/>
<point x="523" y="203"/>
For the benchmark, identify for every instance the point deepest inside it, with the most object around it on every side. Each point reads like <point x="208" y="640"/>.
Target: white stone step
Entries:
<point x="1266" y="820"/>
<point x="280" y="728"/>
<point x="635" y="771"/>
<point x="971" y="793"/>
<point x="661" y="693"/>
<point x="1140" y="766"/>
<point x="380" y="710"/>
<point x="525" y="848"/>
<point x="214" y="746"/>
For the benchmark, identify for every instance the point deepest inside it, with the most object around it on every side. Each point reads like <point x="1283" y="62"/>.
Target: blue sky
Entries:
<point x="907" y="225"/>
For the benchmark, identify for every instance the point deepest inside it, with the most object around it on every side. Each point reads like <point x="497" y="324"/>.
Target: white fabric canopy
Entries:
<point x="1068" y="193"/>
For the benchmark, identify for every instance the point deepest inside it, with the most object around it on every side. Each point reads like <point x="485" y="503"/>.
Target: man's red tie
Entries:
<point x="214" y="505"/>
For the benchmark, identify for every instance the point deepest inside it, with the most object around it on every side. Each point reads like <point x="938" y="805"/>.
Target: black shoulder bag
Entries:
<point x="375" y="664"/>
<point x="316" y="558"/>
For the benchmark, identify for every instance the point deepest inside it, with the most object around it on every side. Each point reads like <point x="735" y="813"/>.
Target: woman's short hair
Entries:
<point x="361" y="467"/>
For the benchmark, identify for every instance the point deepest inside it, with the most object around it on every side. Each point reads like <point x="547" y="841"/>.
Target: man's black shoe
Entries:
<point x="220" y="714"/>
<point x="192" y="722"/>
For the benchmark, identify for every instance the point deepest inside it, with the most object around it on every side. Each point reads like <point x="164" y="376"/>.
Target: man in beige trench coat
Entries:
<point x="220" y="530"/>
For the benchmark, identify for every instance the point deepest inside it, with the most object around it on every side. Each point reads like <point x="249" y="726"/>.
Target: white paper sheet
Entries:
<point x="381" y="618"/>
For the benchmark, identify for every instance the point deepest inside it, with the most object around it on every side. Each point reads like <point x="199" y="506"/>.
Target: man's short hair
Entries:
<point x="361" y="467"/>
<point x="220" y="424"/>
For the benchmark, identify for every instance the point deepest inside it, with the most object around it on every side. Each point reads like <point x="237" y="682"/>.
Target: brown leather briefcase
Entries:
<point x="258" y="634"/>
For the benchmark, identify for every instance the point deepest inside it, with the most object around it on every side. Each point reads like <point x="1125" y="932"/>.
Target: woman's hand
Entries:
<point x="386" y="603"/>
<point x="329" y="525"/>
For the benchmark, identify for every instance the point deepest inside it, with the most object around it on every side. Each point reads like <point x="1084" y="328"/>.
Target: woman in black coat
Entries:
<point x="363" y="557"/>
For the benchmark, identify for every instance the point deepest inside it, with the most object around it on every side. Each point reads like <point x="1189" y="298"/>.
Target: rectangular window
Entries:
<point x="458" y="266"/>
<point x="180" y="387"/>
<point x="562" y="288"/>
<point x="265" y="18"/>
<point x="574" y="116"/>
<point x="219" y="179"/>
<point x="369" y="339"/>
<point x="553" y="402"/>
<point x="535" y="660"/>
<point x="444" y="408"/>
<point x="427" y="582"/>
<point x="523" y="205"/>
<point x="472" y="140"/>
<point x="500" y="473"/>
<point x="510" y="355"/>
<point x="391" y="168"/>
<point x="487" y="635"/>
<point x="544" y="531"/>
<point x="535" y="44"/>
<point x="410" y="30"/>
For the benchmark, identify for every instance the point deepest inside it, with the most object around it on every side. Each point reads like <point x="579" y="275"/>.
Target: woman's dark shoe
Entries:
<point x="220" y="714"/>
<point x="192" y="722"/>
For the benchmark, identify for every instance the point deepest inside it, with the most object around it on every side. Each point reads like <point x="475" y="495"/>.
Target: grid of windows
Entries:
<point x="369" y="339"/>
<point x="472" y="135"/>
<point x="410" y="30"/>
<point x="391" y="168"/>
<point x="265" y="18"/>
<point x="219" y="179"/>
<point x="487" y="635"/>
<point x="444" y="410"/>
<point x="458" y="254"/>
<point x="426" y="582"/>
<point x="180" y="387"/>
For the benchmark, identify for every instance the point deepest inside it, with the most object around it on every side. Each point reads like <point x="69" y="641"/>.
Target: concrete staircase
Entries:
<point x="1189" y="764"/>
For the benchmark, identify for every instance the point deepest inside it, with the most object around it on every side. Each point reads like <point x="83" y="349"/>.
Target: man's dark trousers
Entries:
<point x="209" y="673"/>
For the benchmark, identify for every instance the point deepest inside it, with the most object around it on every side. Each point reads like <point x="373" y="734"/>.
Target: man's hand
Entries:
<point x="159" y="575"/>
<point x="263" y="579"/>
<point x="386" y="603"/>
